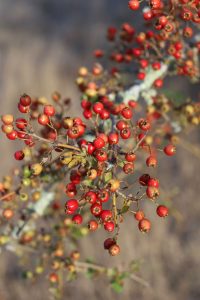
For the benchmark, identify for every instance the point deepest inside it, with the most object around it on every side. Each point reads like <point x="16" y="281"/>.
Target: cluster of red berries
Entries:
<point x="100" y="155"/>
<point x="97" y="163"/>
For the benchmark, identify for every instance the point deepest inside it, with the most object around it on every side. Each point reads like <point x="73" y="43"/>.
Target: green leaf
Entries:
<point x="111" y="272"/>
<point x="134" y="266"/>
<point x="87" y="182"/>
<point x="124" y="209"/>
<point x="123" y="275"/>
<point x="120" y="163"/>
<point x="107" y="177"/>
<point x="90" y="273"/>
<point x="117" y="286"/>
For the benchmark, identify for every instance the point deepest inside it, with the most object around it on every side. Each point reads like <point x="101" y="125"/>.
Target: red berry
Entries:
<point x="104" y="137"/>
<point x="144" y="179"/>
<point x="128" y="168"/>
<point x="104" y="115"/>
<point x="49" y="110"/>
<point x="127" y="113"/>
<point x="12" y="135"/>
<point x="148" y="14"/>
<point x="90" y="148"/>
<point x="139" y="215"/>
<point x="87" y="114"/>
<point x="73" y="133"/>
<point x="21" y="123"/>
<point x="132" y="103"/>
<point x="90" y="197"/>
<point x="125" y="133"/>
<point x="143" y="63"/>
<point x="23" y="109"/>
<point x="152" y="192"/>
<point x="106" y="215"/>
<point x="77" y="219"/>
<point x="151" y="161"/>
<point x="144" y="225"/>
<point x="170" y="150"/>
<point x="134" y="4"/>
<point x="153" y="182"/>
<point x="85" y="104"/>
<point x="25" y="100"/>
<point x="23" y="135"/>
<point x="99" y="143"/>
<point x="19" y="155"/>
<point x="98" y="107"/>
<point x="108" y="243"/>
<point x="92" y="225"/>
<point x="162" y="211"/>
<point x="96" y="209"/>
<point x="72" y="204"/>
<point x="158" y="83"/>
<point x="113" y="138"/>
<point x="121" y="124"/>
<point x="103" y="196"/>
<point x="141" y="76"/>
<point x="130" y="156"/>
<point x="43" y="119"/>
<point x="109" y="226"/>
<point x="144" y="124"/>
<point x="101" y="155"/>
<point x="156" y="65"/>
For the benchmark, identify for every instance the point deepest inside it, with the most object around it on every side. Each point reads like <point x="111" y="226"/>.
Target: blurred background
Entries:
<point x="42" y="44"/>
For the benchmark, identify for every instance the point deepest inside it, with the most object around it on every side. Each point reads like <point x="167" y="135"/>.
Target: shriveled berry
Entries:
<point x="114" y="250"/>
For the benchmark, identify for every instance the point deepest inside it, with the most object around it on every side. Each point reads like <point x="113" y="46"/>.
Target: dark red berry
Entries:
<point x="19" y="155"/>
<point x="25" y="100"/>
<point x="108" y="243"/>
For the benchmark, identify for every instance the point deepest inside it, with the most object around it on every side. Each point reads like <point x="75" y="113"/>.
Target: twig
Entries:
<point x="7" y="196"/>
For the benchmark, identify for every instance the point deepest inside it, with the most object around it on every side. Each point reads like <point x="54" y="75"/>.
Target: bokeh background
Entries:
<point x="42" y="44"/>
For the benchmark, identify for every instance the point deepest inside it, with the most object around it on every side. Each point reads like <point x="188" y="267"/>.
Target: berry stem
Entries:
<point x="114" y="205"/>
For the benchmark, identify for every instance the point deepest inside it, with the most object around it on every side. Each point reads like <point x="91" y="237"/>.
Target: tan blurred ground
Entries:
<point x="42" y="43"/>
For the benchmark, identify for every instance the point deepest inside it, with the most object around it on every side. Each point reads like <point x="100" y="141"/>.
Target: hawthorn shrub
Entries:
<point x="79" y="174"/>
